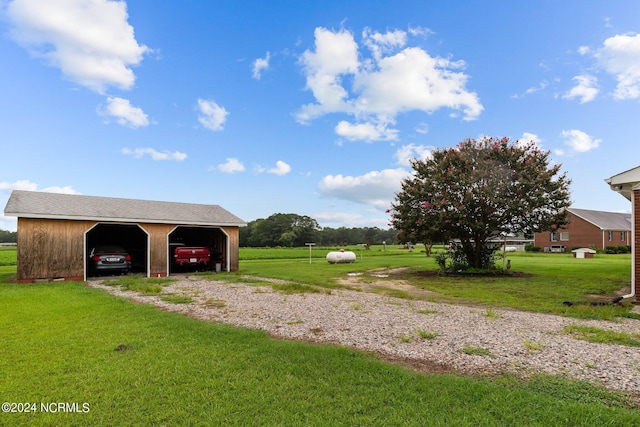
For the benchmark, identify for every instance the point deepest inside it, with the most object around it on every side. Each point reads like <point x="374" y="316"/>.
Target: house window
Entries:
<point x="564" y="236"/>
<point x="554" y="237"/>
<point x="610" y="235"/>
<point x="622" y="233"/>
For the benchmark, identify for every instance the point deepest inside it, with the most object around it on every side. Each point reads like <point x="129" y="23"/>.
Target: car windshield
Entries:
<point x="108" y="250"/>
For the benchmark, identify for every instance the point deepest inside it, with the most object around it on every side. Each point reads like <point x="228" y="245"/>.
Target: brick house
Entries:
<point x="628" y="185"/>
<point x="588" y="229"/>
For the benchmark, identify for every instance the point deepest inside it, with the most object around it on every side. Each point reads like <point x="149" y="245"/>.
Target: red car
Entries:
<point x="194" y="257"/>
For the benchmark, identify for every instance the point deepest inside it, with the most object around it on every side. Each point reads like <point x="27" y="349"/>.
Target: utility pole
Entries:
<point x="311" y="245"/>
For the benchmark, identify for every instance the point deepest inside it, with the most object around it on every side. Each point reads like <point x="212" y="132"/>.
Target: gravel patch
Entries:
<point x="425" y="335"/>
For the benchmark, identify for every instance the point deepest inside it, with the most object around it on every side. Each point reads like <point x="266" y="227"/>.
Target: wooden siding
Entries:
<point x="158" y="266"/>
<point x="234" y="245"/>
<point x="49" y="249"/>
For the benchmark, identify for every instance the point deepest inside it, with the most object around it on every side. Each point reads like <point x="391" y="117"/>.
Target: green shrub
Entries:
<point x="617" y="250"/>
<point x="532" y="248"/>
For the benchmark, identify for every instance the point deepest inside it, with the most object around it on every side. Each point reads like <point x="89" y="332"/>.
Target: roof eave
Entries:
<point x="125" y="220"/>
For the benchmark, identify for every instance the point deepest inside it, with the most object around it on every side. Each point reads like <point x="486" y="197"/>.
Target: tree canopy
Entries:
<point x="295" y="230"/>
<point x="280" y="230"/>
<point x="8" y="236"/>
<point x="479" y="190"/>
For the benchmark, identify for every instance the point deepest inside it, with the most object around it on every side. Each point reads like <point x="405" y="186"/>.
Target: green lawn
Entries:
<point x="136" y="365"/>
<point x="540" y="283"/>
<point x="545" y="283"/>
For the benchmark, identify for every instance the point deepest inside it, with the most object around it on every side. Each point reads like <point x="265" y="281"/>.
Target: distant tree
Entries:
<point x="480" y="190"/>
<point x="8" y="236"/>
<point x="296" y="230"/>
<point x="282" y="230"/>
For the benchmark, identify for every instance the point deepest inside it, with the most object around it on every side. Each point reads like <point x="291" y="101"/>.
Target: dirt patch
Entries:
<point x="614" y="297"/>
<point x="386" y="281"/>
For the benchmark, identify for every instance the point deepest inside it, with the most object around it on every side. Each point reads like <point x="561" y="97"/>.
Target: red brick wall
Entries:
<point x="636" y="240"/>
<point x="582" y="234"/>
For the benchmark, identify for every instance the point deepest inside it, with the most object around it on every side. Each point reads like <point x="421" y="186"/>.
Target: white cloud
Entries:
<point x="387" y="84"/>
<point x="533" y="89"/>
<point x="260" y="65"/>
<point x="411" y="151"/>
<point x="232" y="165"/>
<point x="527" y="138"/>
<point x="365" y="131"/>
<point x="380" y="44"/>
<point x="10" y="223"/>
<point x="124" y="113"/>
<point x="586" y="89"/>
<point x="420" y="31"/>
<point x="583" y="50"/>
<point x="341" y="219"/>
<point x="154" y="154"/>
<point x="579" y="141"/>
<point x="281" y="168"/>
<point x="27" y="185"/>
<point x="423" y="128"/>
<point x="90" y="41"/>
<point x="376" y="188"/>
<point x="212" y="116"/>
<point x="620" y="56"/>
<point x="336" y="54"/>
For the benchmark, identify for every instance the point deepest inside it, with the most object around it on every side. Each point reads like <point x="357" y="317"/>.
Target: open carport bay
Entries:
<point x="210" y="237"/>
<point x="130" y="237"/>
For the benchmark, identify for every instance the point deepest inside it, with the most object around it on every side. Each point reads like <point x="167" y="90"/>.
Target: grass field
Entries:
<point x="136" y="365"/>
<point x="540" y="283"/>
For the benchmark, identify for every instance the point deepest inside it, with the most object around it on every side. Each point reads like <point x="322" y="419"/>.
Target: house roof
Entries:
<point x="625" y="182"/>
<point x="629" y="176"/>
<point x="34" y="204"/>
<point x="604" y="220"/>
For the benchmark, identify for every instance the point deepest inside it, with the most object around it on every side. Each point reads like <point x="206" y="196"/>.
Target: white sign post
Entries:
<point x="311" y="245"/>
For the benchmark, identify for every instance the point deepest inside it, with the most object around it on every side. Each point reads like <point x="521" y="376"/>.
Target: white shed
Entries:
<point x="583" y="253"/>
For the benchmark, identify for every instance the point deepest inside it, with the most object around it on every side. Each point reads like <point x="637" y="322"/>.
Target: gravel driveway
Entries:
<point x="427" y="336"/>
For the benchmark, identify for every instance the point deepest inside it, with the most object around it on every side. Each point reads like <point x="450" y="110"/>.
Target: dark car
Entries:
<point x="109" y="259"/>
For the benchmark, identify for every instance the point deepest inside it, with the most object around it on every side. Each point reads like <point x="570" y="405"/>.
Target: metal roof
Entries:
<point x="605" y="220"/>
<point x="35" y="204"/>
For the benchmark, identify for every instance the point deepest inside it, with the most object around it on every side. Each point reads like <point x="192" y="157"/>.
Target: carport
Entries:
<point x="56" y="231"/>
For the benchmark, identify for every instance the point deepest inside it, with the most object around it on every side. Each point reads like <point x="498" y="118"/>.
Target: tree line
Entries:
<point x="292" y="230"/>
<point x="8" y="236"/>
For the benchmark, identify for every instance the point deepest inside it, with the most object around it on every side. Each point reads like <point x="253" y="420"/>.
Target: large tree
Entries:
<point x="479" y="190"/>
<point x="281" y="230"/>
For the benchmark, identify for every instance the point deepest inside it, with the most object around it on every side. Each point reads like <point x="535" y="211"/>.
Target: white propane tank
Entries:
<point x="341" y="257"/>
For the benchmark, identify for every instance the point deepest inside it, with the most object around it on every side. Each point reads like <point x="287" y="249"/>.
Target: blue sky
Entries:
<point x="311" y="108"/>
